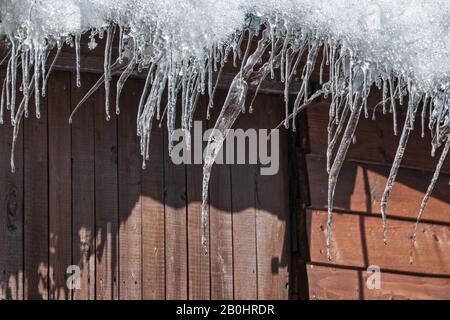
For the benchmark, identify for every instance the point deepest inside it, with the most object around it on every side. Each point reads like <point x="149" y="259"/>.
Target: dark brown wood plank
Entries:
<point x="83" y="188"/>
<point x="272" y="204"/>
<point x="357" y="241"/>
<point x="36" y="227"/>
<point x="60" y="198"/>
<point x="153" y="222"/>
<point x="198" y="263"/>
<point x="175" y="228"/>
<point x="106" y="199"/>
<point x="351" y="284"/>
<point x="11" y="213"/>
<point x="130" y="206"/>
<point x="220" y="219"/>
<point x="243" y="181"/>
<point x="361" y="186"/>
<point x="375" y="141"/>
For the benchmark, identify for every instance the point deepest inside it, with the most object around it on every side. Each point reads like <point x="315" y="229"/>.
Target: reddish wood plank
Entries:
<point x="60" y="198"/>
<point x="130" y="206"/>
<point x="349" y="284"/>
<point x="36" y="228"/>
<point x="175" y="228"/>
<point x="83" y="188"/>
<point x="243" y="181"/>
<point x="198" y="263"/>
<point x="153" y="221"/>
<point x="361" y="186"/>
<point x="358" y="241"/>
<point x="375" y="141"/>
<point x="11" y="213"/>
<point x="272" y="205"/>
<point x="106" y="200"/>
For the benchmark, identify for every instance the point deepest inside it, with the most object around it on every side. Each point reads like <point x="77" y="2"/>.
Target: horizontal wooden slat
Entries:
<point x="375" y="141"/>
<point x="361" y="186"/>
<point x="357" y="241"/>
<point x="351" y="284"/>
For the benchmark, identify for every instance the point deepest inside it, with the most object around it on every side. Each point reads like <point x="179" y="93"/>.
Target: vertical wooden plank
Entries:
<point x="130" y="246"/>
<point x="175" y="228"/>
<point x="153" y="225"/>
<point x="60" y="198"/>
<point x="244" y="223"/>
<point x="272" y="207"/>
<point x="106" y="202"/>
<point x="36" y="227"/>
<point x="221" y="226"/>
<point x="198" y="264"/>
<point x="11" y="213"/>
<point x="83" y="188"/>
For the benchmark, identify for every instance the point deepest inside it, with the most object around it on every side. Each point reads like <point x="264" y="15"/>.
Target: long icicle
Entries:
<point x="231" y="109"/>
<point x="394" y="169"/>
<point x="431" y="187"/>
<point x="337" y="165"/>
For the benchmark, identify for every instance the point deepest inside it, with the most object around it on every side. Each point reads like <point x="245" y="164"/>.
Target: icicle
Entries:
<point x="272" y="51"/>
<point x="431" y="186"/>
<point x="384" y="94"/>
<point x="120" y="58"/>
<point x="37" y="61"/>
<point x="393" y="107"/>
<point x="230" y="111"/>
<point x="77" y="55"/>
<point x="228" y="115"/>
<point x="424" y="111"/>
<point x="213" y="93"/>
<point x="58" y="51"/>
<point x="107" y="67"/>
<point x="8" y="81"/>
<point x="2" y="101"/>
<point x="25" y="81"/>
<point x="90" y="92"/>
<point x="283" y="55"/>
<point x="286" y="89"/>
<point x="394" y="169"/>
<point x="123" y="78"/>
<point x="13" y="71"/>
<point x="337" y="165"/>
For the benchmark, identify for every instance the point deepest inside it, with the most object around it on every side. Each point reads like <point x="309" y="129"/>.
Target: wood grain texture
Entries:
<point x="130" y="202"/>
<point x="83" y="189"/>
<point x="106" y="200"/>
<point x="361" y="186"/>
<point x="60" y="185"/>
<point x="36" y="223"/>
<point x="175" y="228"/>
<point x="351" y="284"/>
<point x="272" y="206"/>
<point x="153" y="221"/>
<point x="357" y="241"/>
<point x="243" y="182"/>
<point x="11" y="213"/>
<point x="375" y="141"/>
<point x="198" y="263"/>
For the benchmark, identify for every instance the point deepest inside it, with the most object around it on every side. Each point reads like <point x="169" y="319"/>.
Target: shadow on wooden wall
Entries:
<point x="79" y="197"/>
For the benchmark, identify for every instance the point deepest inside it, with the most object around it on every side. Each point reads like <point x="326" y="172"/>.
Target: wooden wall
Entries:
<point x="79" y="197"/>
<point x="408" y="272"/>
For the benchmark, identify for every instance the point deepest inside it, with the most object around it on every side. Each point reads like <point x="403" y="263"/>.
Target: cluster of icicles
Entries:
<point x="279" y="53"/>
